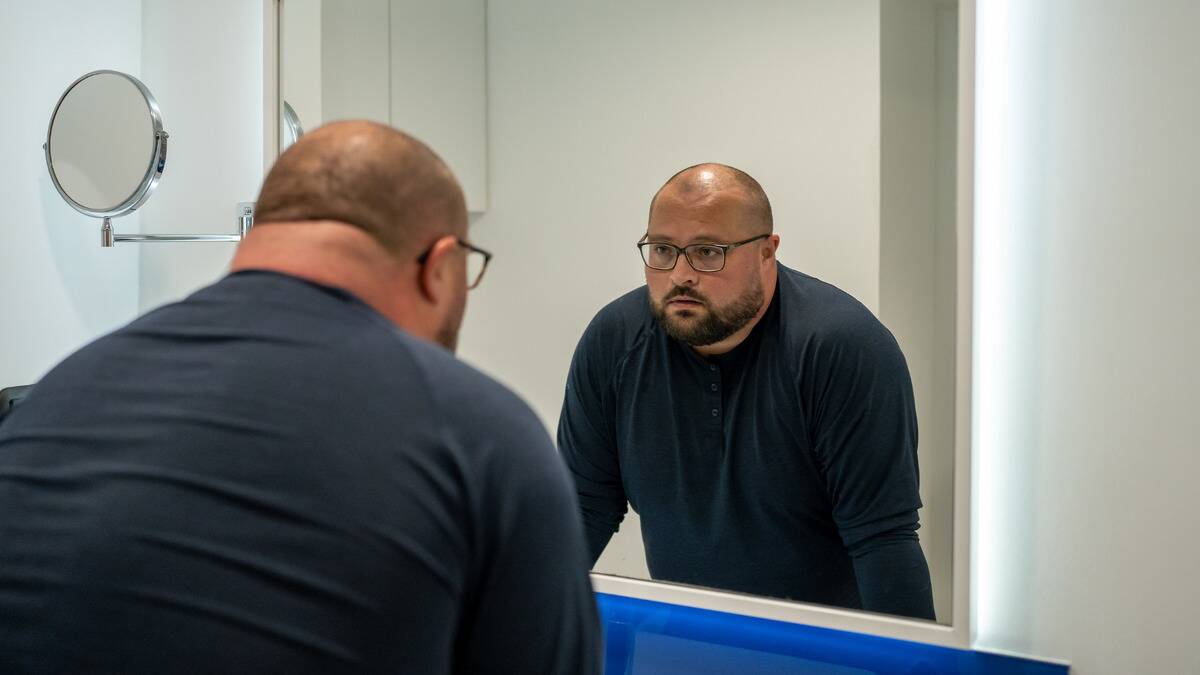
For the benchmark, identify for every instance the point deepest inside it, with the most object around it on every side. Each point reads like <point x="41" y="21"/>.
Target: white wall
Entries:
<point x="438" y="84"/>
<point x="60" y="289"/>
<point x="355" y="60"/>
<point x="592" y="106"/>
<point x="1088" y="322"/>
<point x="204" y="63"/>
<point x="300" y="59"/>
<point x="418" y="65"/>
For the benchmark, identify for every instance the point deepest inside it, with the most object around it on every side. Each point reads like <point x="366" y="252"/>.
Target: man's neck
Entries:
<point x="329" y="253"/>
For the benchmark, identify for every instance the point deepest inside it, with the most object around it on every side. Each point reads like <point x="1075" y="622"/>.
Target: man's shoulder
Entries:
<point x="339" y="339"/>
<point x="629" y="311"/>
<point x="624" y="320"/>
<point x="455" y="383"/>
<point x="474" y="407"/>
<point x="816" y="309"/>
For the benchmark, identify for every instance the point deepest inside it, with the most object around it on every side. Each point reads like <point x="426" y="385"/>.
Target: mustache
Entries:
<point x="684" y="292"/>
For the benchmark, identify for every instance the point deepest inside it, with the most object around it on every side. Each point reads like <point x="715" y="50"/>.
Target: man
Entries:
<point x="284" y="473"/>
<point x="760" y="422"/>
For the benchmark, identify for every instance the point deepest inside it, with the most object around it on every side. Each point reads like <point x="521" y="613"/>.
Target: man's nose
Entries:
<point x="683" y="274"/>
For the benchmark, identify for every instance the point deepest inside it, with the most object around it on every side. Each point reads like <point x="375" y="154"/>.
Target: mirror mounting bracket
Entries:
<point x="245" y="217"/>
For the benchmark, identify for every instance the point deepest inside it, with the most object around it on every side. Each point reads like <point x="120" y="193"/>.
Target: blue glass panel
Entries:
<point x="653" y="638"/>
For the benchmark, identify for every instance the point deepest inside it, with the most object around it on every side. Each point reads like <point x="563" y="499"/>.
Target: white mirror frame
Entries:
<point x="958" y="633"/>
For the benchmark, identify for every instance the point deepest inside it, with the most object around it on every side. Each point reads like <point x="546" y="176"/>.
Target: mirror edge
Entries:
<point x="964" y="582"/>
<point x="774" y="609"/>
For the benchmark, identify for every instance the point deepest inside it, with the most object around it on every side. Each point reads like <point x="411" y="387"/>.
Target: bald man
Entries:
<point x="289" y="472"/>
<point x="759" y="421"/>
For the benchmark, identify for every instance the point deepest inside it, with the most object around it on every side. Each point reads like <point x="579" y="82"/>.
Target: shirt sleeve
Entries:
<point x="586" y="439"/>
<point x="893" y="576"/>
<point x="864" y="432"/>
<point x="532" y="607"/>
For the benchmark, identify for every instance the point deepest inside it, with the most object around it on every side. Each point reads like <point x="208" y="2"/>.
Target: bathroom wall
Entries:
<point x="204" y="62"/>
<point x="58" y="288"/>
<point x="1088" y="321"/>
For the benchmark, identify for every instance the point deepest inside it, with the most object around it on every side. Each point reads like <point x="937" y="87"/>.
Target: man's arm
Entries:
<point x="893" y="576"/>
<point x="531" y="608"/>
<point x="586" y="439"/>
<point x="865" y="435"/>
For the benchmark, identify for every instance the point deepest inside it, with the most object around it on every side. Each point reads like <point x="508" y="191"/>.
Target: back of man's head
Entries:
<point x="368" y="175"/>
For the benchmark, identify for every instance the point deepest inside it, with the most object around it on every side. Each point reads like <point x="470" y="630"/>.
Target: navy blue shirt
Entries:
<point x="786" y="467"/>
<point x="269" y="477"/>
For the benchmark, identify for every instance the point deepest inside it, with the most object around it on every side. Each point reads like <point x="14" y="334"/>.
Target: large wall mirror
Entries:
<point x="562" y="120"/>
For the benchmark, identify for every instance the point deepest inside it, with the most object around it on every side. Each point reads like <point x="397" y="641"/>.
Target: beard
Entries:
<point x="707" y="324"/>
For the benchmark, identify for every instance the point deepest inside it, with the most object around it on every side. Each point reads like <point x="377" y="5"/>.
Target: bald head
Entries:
<point x="706" y="184"/>
<point x="370" y="176"/>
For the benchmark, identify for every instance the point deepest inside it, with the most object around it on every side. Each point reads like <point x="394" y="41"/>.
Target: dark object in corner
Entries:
<point x="10" y="396"/>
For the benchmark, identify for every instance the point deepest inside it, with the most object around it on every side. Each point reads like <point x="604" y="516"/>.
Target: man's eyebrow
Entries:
<point x="702" y="238"/>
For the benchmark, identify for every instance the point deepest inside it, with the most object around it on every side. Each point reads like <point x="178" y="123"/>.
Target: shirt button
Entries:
<point x="715" y="412"/>
<point x="712" y="387"/>
<point x="713" y="368"/>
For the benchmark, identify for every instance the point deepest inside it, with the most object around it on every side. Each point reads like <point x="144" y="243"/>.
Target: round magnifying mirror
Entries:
<point x="106" y="148"/>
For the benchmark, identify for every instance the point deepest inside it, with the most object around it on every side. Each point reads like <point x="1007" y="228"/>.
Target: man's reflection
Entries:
<point x="760" y="421"/>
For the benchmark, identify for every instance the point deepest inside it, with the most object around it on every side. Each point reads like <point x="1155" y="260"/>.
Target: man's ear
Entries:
<point x="436" y="279"/>
<point x="768" y="252"/>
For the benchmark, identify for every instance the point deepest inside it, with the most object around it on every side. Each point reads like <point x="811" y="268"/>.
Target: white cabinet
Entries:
<point x="419" y="65"/>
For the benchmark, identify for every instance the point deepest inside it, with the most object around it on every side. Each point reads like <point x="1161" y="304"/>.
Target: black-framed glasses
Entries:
<point x="477" y="261"/>
<point x="659" y="255"/>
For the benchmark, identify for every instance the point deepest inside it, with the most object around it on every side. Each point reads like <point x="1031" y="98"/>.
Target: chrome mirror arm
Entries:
<point x="109" y="237"/>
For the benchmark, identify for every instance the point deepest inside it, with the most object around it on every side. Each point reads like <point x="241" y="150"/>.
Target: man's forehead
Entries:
<point x="676" y="220"/>
<point x="686" y="233"/>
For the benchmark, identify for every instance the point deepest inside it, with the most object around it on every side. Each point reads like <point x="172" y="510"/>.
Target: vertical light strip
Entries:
<point x="994" y="312"/>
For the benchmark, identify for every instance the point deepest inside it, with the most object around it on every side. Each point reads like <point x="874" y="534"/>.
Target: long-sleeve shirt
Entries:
<point x="270" y="477"/>
<point x="786" y="467"/>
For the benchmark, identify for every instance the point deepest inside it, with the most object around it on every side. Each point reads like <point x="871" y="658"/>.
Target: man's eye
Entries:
<point x="662" y="250"/>
<point x="708" y="251"/>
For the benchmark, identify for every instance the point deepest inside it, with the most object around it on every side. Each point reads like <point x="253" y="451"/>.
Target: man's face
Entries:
<point x="703" y="308"/>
